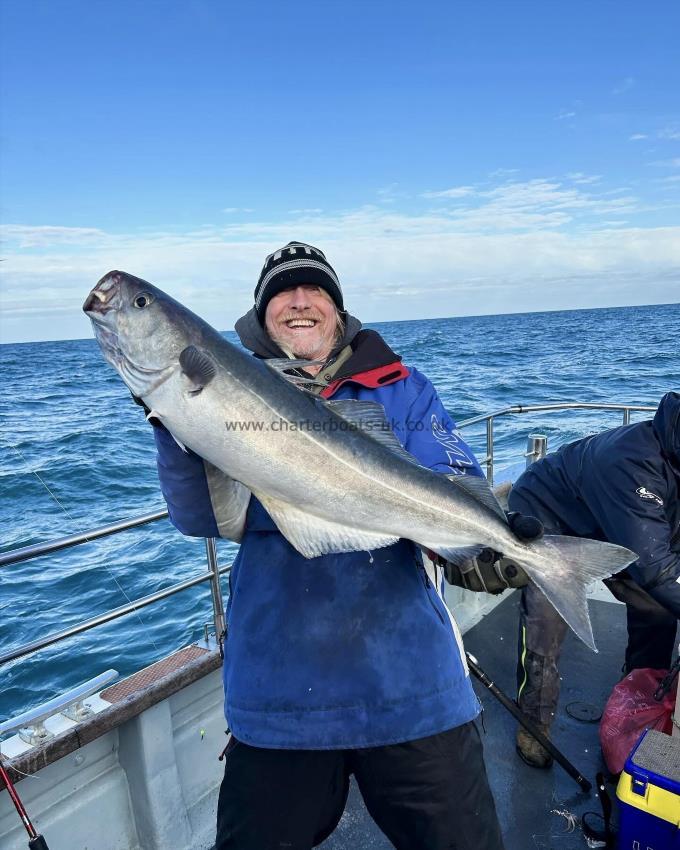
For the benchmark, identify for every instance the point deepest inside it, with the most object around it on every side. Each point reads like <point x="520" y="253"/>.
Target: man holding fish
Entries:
<point x="340" y="656"/>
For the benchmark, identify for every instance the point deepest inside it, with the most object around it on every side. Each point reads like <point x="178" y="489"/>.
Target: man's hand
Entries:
<point x="490" y="572"/>
<point x="526" y="528"/>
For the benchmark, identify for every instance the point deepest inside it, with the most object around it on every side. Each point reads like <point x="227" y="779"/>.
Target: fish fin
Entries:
<point x="502" y="492"/>
<point x="179" y="443"/>
<point x="458" y="556"/>
<point x="574" y="563"/>
<point x="369" y="417"/>
<point x="198" y="366"/>
<point x="283" y="366"/>
<point x="313" y="536"/>
<point x="478" y="487"/>
<point x="229" y="499"/>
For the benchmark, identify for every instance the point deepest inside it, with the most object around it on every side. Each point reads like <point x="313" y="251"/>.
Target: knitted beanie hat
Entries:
<point x="293" y="265"/>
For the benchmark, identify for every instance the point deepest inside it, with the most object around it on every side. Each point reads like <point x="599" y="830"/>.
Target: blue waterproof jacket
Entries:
<point x="623" y="486"/>
<point x="346" y="650"/>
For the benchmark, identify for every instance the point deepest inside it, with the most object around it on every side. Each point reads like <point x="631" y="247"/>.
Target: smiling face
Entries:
<point x="303" y="322"/>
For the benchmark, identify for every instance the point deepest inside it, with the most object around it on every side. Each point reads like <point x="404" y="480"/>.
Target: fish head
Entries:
<point x="140" y="329"/>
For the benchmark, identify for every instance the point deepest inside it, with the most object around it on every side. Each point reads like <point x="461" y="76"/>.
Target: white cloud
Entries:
<point x="636" y="137"/>
<point x="580" y="178"/>
<point x="502" y="172"/>
<point x="534" y="205"/>
<point x="564" y="114"/>
<point x="390" y="194"/>
<point x="671" y="133"/>
<point x="523" y="244"/>
<point x="36" y="237"/>
<point x="456" y="192"/>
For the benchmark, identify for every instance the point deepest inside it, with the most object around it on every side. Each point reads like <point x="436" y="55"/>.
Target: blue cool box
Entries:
<point x="649" y="795"/>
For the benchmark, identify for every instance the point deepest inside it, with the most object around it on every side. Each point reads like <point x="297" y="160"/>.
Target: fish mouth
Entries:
<point x="104" y="297"/>
<point x="102" y="306"/>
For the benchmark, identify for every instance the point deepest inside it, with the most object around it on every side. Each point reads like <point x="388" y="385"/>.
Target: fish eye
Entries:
<point x="142" y="300"/>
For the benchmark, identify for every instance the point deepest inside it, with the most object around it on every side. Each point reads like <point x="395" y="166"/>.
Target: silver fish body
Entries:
<point x="330" y="474"/>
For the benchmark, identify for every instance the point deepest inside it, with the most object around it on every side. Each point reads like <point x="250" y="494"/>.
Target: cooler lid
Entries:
<point x="656" y="758"/>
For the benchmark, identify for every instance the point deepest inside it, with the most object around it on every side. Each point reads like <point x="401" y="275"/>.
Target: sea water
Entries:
<point x="76" y="453"/>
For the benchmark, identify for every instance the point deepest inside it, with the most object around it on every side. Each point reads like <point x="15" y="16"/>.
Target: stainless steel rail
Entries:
<point x="85" y="625"/>
<point x="213" y="575"/>
<point x="552" y="407"/>
<point x="38" y="549"/>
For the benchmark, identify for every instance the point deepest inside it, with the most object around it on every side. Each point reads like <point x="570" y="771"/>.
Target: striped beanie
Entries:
<point x="293" y="265"/>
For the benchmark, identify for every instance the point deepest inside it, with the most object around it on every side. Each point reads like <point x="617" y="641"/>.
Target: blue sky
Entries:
<point x="451" y="158"/>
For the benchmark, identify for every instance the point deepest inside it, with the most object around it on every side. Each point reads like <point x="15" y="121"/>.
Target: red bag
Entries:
<point x="630" y="709"/>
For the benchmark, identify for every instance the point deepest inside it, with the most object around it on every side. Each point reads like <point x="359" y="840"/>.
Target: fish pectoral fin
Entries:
<point x="369" y="417"/>
<point x="313" y="536"/>
<point x="478" y="487"/>
<point x="198" y="366"/>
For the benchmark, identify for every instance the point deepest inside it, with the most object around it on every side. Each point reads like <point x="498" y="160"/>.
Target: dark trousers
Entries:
<point x="429" y="794"/>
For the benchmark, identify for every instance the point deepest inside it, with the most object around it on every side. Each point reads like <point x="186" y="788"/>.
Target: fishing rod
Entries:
<point x="36" y="842"/>
<point x="531" y="728"/>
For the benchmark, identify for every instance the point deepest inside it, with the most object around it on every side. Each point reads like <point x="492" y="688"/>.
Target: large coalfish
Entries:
<point x="331" y="474"/>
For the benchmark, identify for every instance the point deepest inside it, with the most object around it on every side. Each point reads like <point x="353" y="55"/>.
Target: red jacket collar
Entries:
<point x="380" y="376"/>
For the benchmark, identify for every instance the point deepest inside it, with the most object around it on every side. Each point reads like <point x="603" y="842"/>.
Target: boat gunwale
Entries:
<point x="86" y="731"/>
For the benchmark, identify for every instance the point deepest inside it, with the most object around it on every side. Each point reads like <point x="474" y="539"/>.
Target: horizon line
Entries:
<point x="424" y="319"/>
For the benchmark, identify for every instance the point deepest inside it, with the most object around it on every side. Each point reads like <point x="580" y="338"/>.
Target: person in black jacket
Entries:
<point x="622" y="486"/>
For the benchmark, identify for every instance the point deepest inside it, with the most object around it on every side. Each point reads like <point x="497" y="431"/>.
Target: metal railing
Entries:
<point x="214" y="570"/>
<point x="37" y="550"/>
<point x="489" y="418"/>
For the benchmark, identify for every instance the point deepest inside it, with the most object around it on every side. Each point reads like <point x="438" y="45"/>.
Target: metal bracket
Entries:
<point x="78" y="711"/>
<point x="210" y="639"/>
<point x="30" y="726"/>
<point x="537" y="448"/>
<point x="36" y="734"/>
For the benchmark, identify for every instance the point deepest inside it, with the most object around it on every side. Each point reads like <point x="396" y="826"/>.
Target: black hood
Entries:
<point x="256" y="339"/>
<point x="667" y="428"/>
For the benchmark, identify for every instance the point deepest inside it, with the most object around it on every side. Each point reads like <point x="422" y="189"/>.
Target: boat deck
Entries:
<point x="529" y="801"/>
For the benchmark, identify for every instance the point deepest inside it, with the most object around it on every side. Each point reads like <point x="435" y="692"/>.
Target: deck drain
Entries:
<point x="584" y="711"/>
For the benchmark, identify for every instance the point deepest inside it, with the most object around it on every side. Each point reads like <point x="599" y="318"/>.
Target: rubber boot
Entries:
<point x="530" y="751"/>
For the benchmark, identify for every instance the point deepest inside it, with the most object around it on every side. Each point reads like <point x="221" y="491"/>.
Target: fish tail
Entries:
<point x="562" y="568"/>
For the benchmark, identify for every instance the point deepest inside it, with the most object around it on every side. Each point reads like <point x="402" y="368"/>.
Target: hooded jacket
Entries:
<point x="623" y="486"/>
<point x="344" y="650"/>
